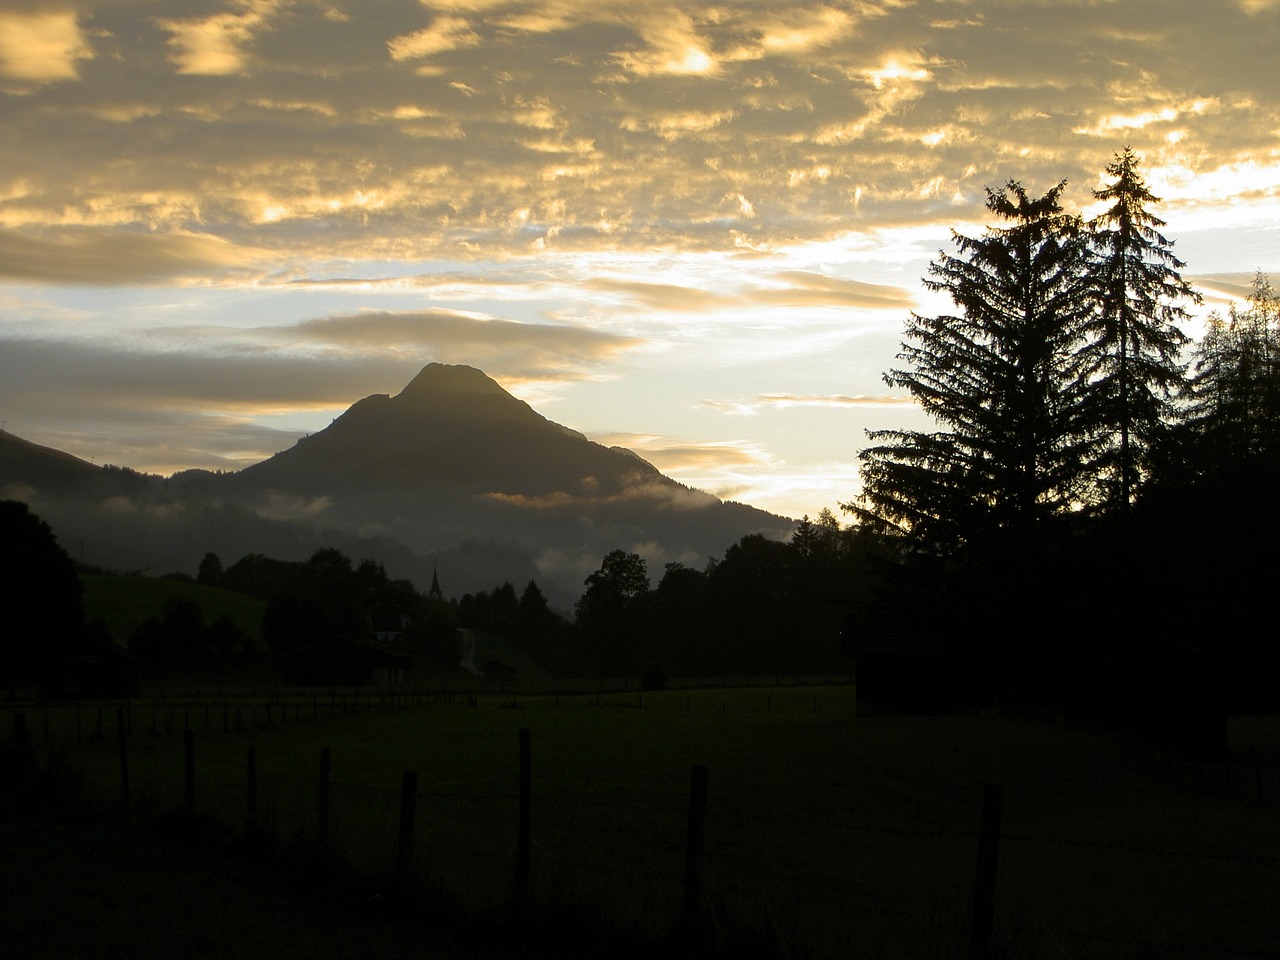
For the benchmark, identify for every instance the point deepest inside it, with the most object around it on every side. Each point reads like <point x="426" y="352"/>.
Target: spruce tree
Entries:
<point x="1133" y="354"/>
<point x="1004" y="380"/>
<point x="1234" y="412"/>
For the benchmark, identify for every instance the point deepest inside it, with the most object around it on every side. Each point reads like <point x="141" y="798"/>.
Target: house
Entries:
<point x="900" y="663"/>
<point x="387" y="622"/>
<point x="383" y="664"/>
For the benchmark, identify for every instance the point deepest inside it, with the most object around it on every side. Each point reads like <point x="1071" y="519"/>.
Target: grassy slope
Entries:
<point x="852" y="835"/>
<point x="125" y="602"/>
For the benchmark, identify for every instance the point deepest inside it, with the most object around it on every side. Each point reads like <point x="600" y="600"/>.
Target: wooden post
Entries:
<point x="984" y="884"/>
<point x="1257" y="777"/>
<point x="323" y="832"/>
<point x="189" y="768"/>
<point x="251" y="768"/>
<point x="694" y="836"/>
<point x="22" y="739"/>
<point x="124" y="754"/>
<point x="408" y="802"/>
<point x="526" y="808"/>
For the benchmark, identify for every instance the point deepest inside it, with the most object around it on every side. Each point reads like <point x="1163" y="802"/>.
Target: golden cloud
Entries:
<point x="107" y="257"/>
<point x="673" y="456"/>
<point x="445" y="33"/>
<point x="41" y="47"/>
<point x="774" y="401"/>
<point x="216" y="45"/>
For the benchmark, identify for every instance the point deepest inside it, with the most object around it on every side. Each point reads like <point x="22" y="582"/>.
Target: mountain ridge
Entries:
<point x="453" y="459"/>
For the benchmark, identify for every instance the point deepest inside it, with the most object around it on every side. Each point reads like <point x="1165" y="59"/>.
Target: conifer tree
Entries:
<point x="1235" y="407"/>
<point x="1135" y="341"/>
<point x="1003" y="379"/>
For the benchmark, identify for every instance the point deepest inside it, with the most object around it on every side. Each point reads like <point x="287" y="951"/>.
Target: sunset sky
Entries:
<point x="694" y="230"/>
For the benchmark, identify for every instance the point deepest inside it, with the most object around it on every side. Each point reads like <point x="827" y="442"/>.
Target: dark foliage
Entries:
<point x="1087" y="529"/>
<point x="38" y="586"/>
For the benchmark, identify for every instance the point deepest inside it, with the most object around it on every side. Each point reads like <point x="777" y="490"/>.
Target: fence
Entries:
<point x="511" y="839"/>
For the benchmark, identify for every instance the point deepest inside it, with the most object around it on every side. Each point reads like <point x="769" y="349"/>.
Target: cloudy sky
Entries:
<point x="691" y="229"/>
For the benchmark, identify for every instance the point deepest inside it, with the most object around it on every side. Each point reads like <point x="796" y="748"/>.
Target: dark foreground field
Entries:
<point x="826" y="835"/>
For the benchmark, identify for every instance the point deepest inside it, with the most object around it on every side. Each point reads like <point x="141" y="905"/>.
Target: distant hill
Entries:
<point x="27" y="466"/>
<point x="453" y="474"/>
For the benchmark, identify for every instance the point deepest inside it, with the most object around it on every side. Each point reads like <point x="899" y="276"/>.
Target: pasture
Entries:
<point x="832" y="834"/>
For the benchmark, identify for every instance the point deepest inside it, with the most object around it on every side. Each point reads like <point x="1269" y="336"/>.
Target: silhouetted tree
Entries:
<point x="680" y="638"/>
<point x="1234" y="413"/>
<point x="210" y="571"/>
<point x="1133" y="355"/>
<point x="761" y="607"/>
<point x="179" y="634"/>
<point x="805" y="538"/>
<point x="538" y="628"/>
<point x="826" y="540"/>
<point x="228" y="640"/>
<point x="1003" y="378"/>
<point x="611" y="610"/>
<point x="38" y="585"/>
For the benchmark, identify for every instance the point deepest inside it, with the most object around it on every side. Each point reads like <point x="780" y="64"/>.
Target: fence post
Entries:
<point x="408" y="801"/>
<point x="984" y="884"/>
<point x="526" y="810"/>
<point x="189" y="768"/>
<point x="251" y="768"/>
<point x="323" y="832"/>
<point x="22" y="737"/>
<point x="1257" y="777"/>
<point x="693" y="842"/>
<point x="124" y="754"/>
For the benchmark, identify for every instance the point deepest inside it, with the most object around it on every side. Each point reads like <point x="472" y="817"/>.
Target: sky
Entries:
<point x="694" y="230"/>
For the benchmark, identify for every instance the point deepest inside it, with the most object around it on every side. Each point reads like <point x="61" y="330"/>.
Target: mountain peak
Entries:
<point x="442" y="379"/>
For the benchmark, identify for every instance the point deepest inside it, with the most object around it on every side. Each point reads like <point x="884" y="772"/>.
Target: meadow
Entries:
<point x="827" y="833"/>
<point x="124" y="602"/>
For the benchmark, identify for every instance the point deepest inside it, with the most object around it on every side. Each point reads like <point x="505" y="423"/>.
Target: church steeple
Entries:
<point x="434" y="594"/>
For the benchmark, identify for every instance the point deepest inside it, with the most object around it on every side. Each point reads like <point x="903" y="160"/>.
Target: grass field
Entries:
<point x="125" y="602"/>
<point x="838" y="835"/>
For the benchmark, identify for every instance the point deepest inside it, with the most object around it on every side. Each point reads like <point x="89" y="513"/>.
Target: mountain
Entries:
<point x="24" y="464"/>
<point x="452" y="473"/>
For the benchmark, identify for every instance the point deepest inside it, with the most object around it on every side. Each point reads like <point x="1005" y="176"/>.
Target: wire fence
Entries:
<point x="835" y="883"/>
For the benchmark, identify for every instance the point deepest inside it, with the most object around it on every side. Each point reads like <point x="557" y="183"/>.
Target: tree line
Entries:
<point x="766" y="607"/>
